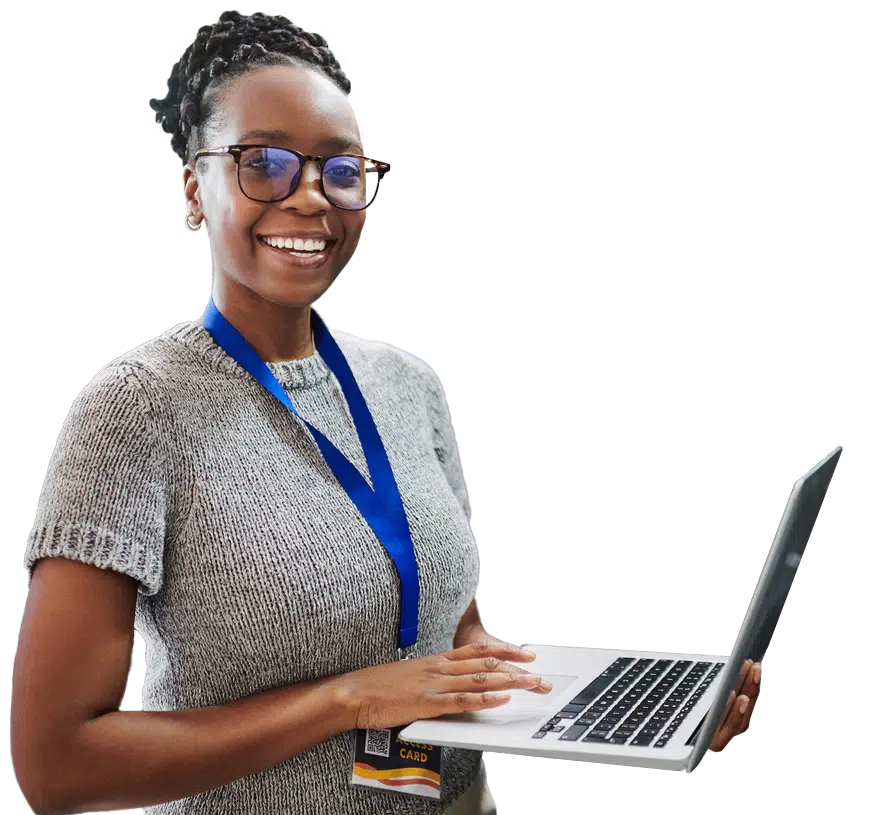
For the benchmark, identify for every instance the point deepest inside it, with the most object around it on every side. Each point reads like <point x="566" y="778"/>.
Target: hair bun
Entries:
<point x="229" y="48"/>
<point x="230" y="15"/>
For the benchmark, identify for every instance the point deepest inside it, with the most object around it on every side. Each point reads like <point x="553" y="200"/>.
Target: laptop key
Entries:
<point x="573" y="733"/>
<point x="592" y="689"/>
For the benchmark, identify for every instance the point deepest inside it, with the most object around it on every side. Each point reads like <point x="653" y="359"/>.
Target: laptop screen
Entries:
<point x="770" y="592"/>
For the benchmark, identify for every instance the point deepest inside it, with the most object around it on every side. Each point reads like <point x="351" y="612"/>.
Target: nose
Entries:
<point x="309" y="184"/>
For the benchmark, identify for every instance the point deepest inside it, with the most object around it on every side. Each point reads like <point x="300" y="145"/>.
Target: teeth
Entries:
<point x="297" y="244"/>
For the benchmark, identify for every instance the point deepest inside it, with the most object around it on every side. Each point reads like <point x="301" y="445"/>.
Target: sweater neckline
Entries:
<point x="292" y="374"/>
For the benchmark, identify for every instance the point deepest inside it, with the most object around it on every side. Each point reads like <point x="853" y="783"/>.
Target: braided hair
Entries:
<point x="237" y="44"/>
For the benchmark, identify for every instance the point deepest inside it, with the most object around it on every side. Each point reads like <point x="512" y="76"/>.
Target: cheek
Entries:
<point x="237" y="216"/>
<point x="353" y="225"/>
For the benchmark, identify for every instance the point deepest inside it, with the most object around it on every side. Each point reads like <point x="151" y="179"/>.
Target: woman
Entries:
<point x="198" y="507"/>
<point x="187" y="499"/>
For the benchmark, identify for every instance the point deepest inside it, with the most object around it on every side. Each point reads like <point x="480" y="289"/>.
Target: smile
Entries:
<point x="300" y="252"/>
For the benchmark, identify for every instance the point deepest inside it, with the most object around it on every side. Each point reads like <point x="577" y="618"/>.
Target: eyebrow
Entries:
<point x="333" y="143"/>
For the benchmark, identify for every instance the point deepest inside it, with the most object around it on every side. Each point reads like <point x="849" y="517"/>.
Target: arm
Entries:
<point x="75" y="751"/>
<point x="184" y="753"/>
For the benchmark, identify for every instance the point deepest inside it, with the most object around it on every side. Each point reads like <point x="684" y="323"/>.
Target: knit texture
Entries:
<point x="255" y="568"/>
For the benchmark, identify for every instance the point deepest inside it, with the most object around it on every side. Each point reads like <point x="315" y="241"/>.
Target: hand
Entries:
<point x="739" y="709"/>
<point x="477" y="633"/>
<point x="464" y="679"/>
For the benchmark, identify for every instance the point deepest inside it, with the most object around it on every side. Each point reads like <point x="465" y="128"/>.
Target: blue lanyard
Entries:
<point x="382" y="507"/>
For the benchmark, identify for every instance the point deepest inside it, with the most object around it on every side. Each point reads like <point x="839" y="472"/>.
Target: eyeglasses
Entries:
<point x="269" y="174"/>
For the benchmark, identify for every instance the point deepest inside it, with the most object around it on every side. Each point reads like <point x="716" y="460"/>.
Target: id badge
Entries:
<point x="383" y="761"/>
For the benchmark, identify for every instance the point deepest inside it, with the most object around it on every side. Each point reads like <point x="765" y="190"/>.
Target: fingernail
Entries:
<point x="526" y="653"/>
<point x="744" y="703"/>
<point x="758" y="672"/>
<point x="547" y="685"/>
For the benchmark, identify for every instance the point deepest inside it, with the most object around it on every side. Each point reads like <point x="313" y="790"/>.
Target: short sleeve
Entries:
<point x="103" y="499"/>
<point x="445" y="441"/>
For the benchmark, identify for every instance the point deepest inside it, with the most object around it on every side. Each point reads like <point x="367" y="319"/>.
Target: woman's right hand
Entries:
<point x="473" y="677"/>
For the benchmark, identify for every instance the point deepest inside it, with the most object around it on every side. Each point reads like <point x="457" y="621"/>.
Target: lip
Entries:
<point x="299" y="234"/>
<point x="312" y="262"/>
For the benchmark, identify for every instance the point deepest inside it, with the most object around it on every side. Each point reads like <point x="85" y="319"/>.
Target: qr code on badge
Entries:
<point x="378" y="743"/>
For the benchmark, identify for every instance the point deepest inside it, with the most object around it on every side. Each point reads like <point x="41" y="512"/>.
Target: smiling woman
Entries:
<point x="183" y="499"/>
<point x="262" y="117"/>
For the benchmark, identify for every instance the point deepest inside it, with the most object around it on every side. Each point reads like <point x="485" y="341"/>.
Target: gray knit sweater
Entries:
<point x="255" y="569"/>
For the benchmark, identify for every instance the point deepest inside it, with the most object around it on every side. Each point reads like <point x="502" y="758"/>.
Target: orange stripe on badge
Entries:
<point x="424" y="782"/>
<point x="367" y="771"/>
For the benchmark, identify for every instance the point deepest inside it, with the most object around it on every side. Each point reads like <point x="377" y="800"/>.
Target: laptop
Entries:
<point x="639" y="708"/>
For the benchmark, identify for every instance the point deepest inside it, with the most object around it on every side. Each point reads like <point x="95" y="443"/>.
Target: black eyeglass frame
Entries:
<point x="236" y="150"/>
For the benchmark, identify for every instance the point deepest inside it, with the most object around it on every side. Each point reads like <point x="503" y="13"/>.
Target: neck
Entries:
<point x="277" y="333"/>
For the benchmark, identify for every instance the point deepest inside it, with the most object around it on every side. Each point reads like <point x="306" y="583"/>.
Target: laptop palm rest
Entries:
<point x="518" y="717"/>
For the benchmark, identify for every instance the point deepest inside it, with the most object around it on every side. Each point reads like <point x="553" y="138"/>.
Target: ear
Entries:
<point x="191" y="192"/>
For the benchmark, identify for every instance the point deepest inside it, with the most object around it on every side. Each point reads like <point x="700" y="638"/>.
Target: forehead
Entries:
<point x="294" y="101"/>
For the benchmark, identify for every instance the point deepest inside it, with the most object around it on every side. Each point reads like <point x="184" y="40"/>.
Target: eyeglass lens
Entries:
<point x="271" y="174"/>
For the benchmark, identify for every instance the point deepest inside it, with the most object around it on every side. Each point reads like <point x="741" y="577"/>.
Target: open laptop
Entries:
<point x="640" y="708"/>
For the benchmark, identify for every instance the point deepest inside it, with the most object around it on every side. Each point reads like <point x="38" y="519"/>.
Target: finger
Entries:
<point x="735" y="717"/>
<point x="537" y="685"/>
<point x="728" y="707"/>
<point x="723" y="736"/>
<point x="719" y="740"/>
<point x="745" y="674"/>
<point x="740" y="709"/>
<point x="544" y="687"/>
<point x="462" y="701"/>
<point x="747" y="715"/>
<point x="484" y="647"/>
<point x="491" y="664"/>
<point x="753" y="686"/>
<point x="486" y="681"/>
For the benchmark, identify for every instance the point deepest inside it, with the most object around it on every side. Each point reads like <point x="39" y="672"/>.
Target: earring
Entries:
<point x="187" y="223"/>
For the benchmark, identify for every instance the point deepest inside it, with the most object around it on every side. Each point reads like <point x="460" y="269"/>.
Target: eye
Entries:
<point x="262" y="164"/>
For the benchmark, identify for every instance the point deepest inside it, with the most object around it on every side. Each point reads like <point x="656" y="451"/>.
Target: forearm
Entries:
<point x="130" y="759"/>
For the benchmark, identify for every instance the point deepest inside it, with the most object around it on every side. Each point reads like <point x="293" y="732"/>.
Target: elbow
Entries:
<point x="43" y="801"/>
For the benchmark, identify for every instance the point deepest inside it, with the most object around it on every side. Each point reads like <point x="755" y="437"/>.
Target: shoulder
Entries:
<point x="386" y="358"/>
<point x="138" y="377"/>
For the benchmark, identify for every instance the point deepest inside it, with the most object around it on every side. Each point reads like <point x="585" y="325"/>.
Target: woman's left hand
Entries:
<point x="739" y="709"/>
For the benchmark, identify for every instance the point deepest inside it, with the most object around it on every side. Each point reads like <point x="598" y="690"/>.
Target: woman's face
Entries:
<point x="282" y="107"/>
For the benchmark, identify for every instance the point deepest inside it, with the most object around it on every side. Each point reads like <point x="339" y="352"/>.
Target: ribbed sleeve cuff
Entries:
<point x="97" y="547"/>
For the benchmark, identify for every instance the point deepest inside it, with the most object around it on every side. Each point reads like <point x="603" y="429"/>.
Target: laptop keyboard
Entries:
<point x="640" y="702"/>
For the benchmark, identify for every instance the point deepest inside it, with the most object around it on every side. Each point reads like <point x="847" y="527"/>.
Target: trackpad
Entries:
<point x="525" y="706"/>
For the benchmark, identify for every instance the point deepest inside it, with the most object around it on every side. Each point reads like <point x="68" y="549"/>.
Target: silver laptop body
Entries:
<point x="639" y="708"/>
